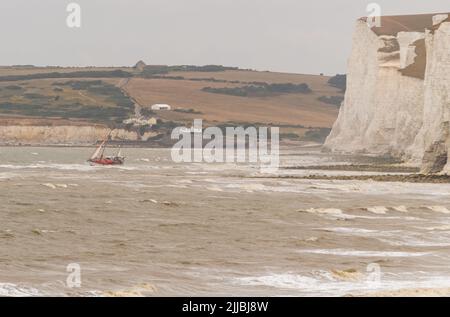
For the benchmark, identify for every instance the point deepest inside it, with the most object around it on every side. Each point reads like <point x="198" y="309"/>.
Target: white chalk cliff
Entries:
<point x="64" y="135"/>
<point x="398" y="85"/>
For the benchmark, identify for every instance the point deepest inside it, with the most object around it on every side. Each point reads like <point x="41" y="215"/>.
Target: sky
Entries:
<point x="293" y="36"/>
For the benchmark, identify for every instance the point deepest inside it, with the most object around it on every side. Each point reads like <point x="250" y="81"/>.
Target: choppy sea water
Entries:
<point x="156" y="228"/>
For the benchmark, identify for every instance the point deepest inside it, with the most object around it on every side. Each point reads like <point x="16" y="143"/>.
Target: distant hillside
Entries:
<point x="219" y="95"/>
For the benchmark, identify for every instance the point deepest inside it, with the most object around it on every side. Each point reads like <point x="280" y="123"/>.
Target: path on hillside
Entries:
<point x="137" y="107"/>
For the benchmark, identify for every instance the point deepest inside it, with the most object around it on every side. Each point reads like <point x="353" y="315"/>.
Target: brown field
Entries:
<point x="288" y="109"/>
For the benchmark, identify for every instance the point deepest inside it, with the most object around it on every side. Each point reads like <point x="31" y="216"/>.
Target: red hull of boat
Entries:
<point x="106" y="162"/>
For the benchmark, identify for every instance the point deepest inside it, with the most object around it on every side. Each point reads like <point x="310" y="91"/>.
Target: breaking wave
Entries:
<point x="350" y="282"/>
<point x="357" y="253"/>
<point x="13" y="290"/>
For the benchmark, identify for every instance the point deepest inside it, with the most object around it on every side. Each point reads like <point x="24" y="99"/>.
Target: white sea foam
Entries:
<point x="49" y="185"/>
<point x="326" y="283"/>
<point x="250" y="187"/>
<point x="440" y="209"/>
<point x="76" y="167"/>
<point x="380" y="188"/>
<point x="280" y="281"/>
<point x="184" y="181"/>
<point x="379" y="210"/>
<point x="400" y="208"/>
<point x="348" y="252"/>
<point x="327" y="186"/>
<point x="412" y="241"/>
<point x="332" y="211"/>
<point x="8" y="175"/>
<point x="54" y="186"/>
<point x="13" y="290"/>
<point x="64" y="167"/>
<point x="358" y="231"/>
<point x="214" y="188"/>
<point x="437" y="228"/>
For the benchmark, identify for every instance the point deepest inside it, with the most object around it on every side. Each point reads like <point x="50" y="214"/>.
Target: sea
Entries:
<point x="153" y="227"/>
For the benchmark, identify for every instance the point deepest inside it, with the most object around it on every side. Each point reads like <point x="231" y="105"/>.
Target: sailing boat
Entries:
<point x="99" y="158"/>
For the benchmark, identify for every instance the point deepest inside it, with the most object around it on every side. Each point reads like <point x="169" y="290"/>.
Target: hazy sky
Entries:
<point x="310" y="36"/>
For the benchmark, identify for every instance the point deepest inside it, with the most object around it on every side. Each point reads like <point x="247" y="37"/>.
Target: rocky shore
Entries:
<point x="408" y="178"/>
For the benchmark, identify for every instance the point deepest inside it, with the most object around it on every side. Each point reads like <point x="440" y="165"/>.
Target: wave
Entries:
<point x="412" y="292"/>
<point x="440" y="209"/>
<point x="400" y="208"/>
<point x="333" y="213"/>
<point x="412" y="241"/>
<point x="379" y="210"/>
<point x="396" y="237"/>
<point x="437" y="228"/>
<point x="64" y="167"/>
<point x="280" y="281"/>
<point x="8" y="175"/>
<point x="364" y="253"/>
<point x="350" y="282"/>
<point x="339" y="214"/>
<point x="55" y="186"/>
<point x="214" y="188"/>
<point x="140" y="290"/>
<point x="357" y="231"/>
<point x="13" y="290"/>
<point x="355" y="213"/>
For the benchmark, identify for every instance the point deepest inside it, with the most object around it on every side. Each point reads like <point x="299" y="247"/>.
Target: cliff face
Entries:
<point x="62" y="135"/>
<point x="397" y="100"/>
<point x="433" y="137"/>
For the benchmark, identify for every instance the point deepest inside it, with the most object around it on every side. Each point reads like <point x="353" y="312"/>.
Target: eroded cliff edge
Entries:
<point x="398" y="84"/>
<point x="66" y="133"/>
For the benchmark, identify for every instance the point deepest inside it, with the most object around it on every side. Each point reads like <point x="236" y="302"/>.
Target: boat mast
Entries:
<point x="104" y="148"/>
<point x="104" y="143"/>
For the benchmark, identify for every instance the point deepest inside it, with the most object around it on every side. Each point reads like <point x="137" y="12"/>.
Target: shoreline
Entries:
<point x="110" y="145"/>
<point x="403" y="178"/>
<point x="358" y="168"/>
<point x="143" y="145"/>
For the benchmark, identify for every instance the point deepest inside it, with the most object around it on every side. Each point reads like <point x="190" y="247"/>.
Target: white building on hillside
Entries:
<point x="161" y="107"/>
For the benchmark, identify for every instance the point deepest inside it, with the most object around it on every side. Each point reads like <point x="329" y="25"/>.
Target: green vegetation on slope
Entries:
<point x="332" y="100"/>
<point x="338" y="81"/>
<point x="316" y="135"/>
<point x="260" y="90"/>
<point x="151" y="70"/>
<point x="95" y="100"/>
<point x="80" y="74"/>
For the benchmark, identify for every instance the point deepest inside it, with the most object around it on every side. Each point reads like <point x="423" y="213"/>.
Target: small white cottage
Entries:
<point x="161" y="107"/>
